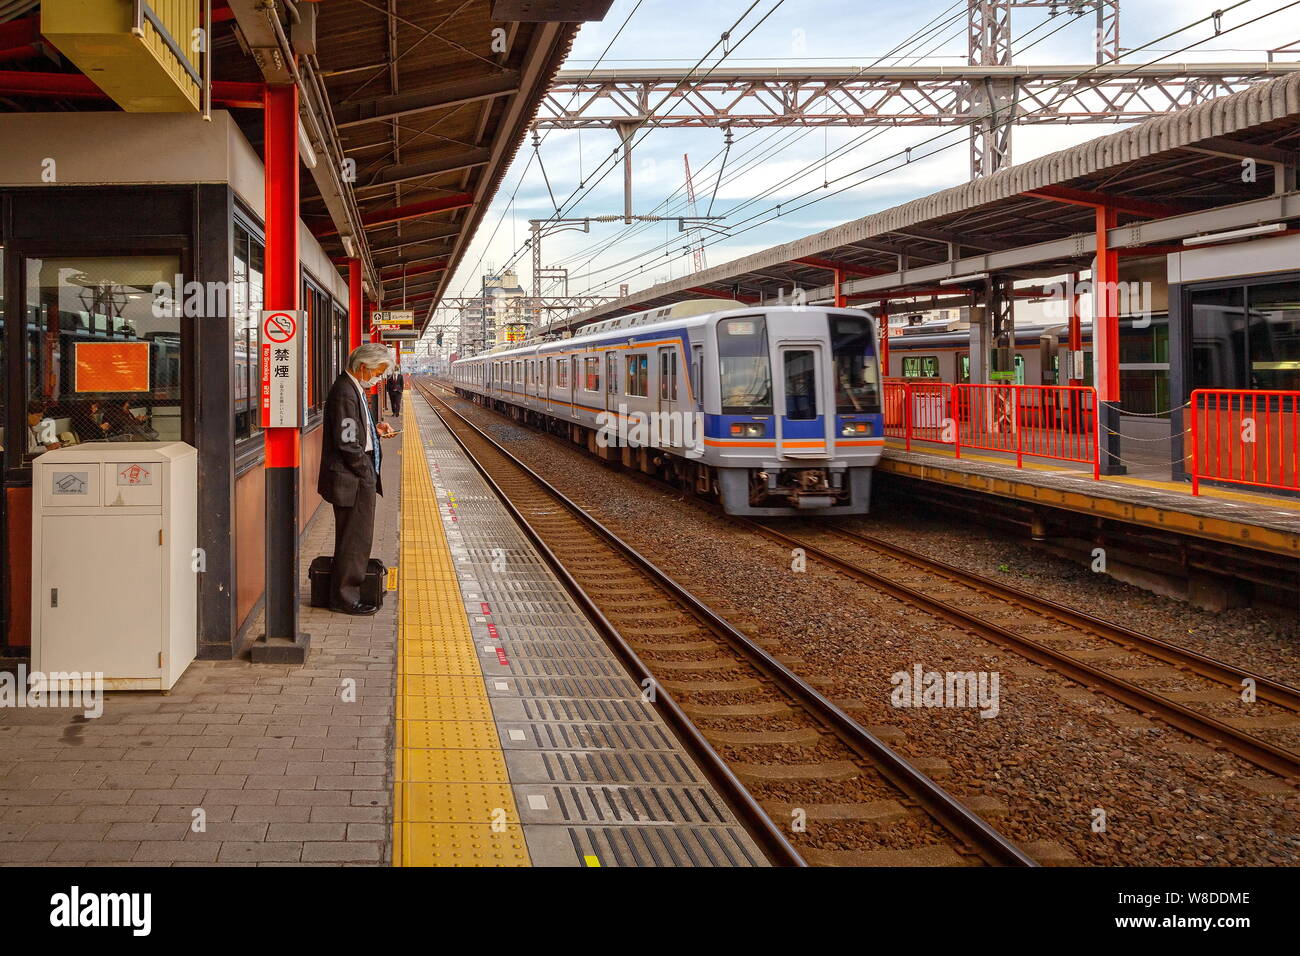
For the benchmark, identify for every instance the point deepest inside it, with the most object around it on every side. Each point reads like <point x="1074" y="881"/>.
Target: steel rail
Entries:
<point x="1260" y="752"/>
<point x="954" y="816"/>
<point x="1267" y="689"/>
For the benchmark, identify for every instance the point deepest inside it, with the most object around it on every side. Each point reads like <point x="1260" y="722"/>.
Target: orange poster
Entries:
<point x="111" y="366"/>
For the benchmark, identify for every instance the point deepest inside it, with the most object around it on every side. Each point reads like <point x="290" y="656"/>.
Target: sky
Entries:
<point x="863" y="166"/>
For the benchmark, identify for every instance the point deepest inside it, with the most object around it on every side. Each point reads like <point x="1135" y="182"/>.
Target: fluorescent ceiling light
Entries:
<point x="304" y="146"/>
<point x="1272" y="227"/>
<point x="959" y="280"/>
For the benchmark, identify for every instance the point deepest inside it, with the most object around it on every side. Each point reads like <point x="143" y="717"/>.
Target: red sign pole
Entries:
<point x="281" y="642"/>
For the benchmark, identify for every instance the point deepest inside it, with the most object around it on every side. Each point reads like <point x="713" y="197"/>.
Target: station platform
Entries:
<point x="520" y="737"/>
<point x="1263" y="522"/>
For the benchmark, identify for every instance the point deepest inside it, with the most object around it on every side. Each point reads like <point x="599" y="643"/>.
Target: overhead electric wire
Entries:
<point x="937" y="23"/>
<point x="949" y="131"/>
<point x="860" y="139"/>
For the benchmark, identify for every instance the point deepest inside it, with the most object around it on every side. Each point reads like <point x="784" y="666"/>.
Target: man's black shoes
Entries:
<point x="358" y="609"/>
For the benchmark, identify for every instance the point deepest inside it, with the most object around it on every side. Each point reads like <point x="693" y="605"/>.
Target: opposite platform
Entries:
<point x="1261" y="522"/>
<point x="520" y="737"/>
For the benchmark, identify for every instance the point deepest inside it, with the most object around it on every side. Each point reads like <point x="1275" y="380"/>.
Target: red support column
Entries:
<point x="840" y="301"/>
<point x="355" y="303"/>
<point x="1105" y="342"/>
<point x="281" y="641"/>
<point x="1076" y="330"/>
<point x="884" y="337"/>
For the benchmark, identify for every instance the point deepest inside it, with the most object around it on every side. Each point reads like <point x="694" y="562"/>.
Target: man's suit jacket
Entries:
<point x="344" y="461"/>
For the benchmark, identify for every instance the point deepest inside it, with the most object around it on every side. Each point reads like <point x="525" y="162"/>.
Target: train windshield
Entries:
<point x="746" y="369"/>
<point x="857" y="387"/>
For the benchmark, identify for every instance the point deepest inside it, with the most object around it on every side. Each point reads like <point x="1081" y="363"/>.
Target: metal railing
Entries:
<point x="1245" y="437"/>
<point x="1057" y="422"/>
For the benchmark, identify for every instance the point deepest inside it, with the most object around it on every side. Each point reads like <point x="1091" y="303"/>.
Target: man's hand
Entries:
<point x="385" y="430"/>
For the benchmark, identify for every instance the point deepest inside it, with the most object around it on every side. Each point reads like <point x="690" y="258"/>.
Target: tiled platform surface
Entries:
<point x="566" y="749"/>
<point x="287" y="765"/>
<point x="1254" y="520"/>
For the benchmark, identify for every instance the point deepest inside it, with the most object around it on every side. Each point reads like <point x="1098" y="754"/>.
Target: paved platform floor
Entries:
<point x="240" y="764"/>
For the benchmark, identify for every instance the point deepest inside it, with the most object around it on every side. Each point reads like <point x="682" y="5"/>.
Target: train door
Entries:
<point x="611" y="381"/>
<point x="697" y="375"/>
<point x="573" y="385"/>
<point x="548" y="380"/>
<point x="802" y="418"/>
<point x="667" y="380"/>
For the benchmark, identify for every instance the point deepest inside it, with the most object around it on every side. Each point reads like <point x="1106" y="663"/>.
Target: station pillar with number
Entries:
<point x="282" y="354"/>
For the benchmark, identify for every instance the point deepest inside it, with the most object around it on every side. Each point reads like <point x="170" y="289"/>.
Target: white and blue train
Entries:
<point x="769" y="410"/>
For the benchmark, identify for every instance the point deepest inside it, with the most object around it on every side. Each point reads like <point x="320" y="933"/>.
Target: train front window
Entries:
<point x="800" y="366"/>
<point x="857" y="383"/>
<point x="745" y="369"/>
<point x="103" y="349"/>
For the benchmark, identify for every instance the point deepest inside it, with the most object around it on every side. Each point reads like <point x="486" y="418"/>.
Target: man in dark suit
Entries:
<point x="350" y="468"/>
<point x="394" y="389"/>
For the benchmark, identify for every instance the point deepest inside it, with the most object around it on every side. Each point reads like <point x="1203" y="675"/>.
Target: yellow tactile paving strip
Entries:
<point x="452" y="802"/>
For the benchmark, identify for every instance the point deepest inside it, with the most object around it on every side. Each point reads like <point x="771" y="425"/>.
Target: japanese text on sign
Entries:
<point x="282" y="359"/>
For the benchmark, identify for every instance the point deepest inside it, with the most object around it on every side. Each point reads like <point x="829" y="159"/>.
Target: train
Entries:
<point x="768" y="410"/>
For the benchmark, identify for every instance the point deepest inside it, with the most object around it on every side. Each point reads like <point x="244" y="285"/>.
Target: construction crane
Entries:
<point x="696" y="238"/>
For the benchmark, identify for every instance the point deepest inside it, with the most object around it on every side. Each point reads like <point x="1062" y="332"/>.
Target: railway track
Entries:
<point x="846" y="797"/>
<point x="1095" y="653"/>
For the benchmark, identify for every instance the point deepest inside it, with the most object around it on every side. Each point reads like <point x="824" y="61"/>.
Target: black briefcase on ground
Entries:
<point x="373" y="587"/>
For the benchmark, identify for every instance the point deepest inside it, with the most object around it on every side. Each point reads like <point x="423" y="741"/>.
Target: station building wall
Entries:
<point x="125" y="188"/>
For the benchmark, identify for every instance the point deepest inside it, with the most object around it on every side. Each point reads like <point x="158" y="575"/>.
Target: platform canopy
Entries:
<point x="410" y="113"/>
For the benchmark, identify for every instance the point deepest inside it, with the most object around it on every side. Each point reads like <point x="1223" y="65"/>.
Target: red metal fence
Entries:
<point x="1040" y="421"/>
<point x="1246" y="437"/>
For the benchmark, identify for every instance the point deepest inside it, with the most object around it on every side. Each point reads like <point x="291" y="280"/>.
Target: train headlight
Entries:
<point x="746" y="429"/>
<point x="855" y="429"/>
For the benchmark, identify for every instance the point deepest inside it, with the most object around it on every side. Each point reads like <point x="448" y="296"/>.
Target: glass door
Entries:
<point x="801" y="428"/>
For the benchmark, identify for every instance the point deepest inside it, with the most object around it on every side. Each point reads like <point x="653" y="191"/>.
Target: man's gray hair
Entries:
<point x="370" y="353"/>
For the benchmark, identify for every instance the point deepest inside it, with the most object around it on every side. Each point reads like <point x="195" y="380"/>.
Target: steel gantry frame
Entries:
<point x="990" y="93"/>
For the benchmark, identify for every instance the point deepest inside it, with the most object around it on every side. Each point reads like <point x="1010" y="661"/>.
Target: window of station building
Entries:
<point x="103" y="350"/>
<point x="320" y="338"/>
<point x="800" y="368"/>
<point x="745" y="369"/>
<point x="248" y="271"/>
<point x="591" y="374"/>
<point x="1273" y="332"/>
<point x="340" y="343"/>
<point x="1218" y="320"/>
<point x="856" y="375"/>
<point x="1144" y="365"/>
<point x="638" y="376"/>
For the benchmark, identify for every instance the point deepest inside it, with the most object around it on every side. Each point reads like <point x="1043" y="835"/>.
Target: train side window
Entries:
<point x="591" y="374"/>
<point x="638" y="375"/>
<point x="1018" y="363"/>
<point x="963" y="376"/>
<point x="611" y="372"/>
<point x="921" y="366"/>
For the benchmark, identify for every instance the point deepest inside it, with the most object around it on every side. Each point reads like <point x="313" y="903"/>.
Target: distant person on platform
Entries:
<point x="350" y="468"/>
<point x="394" y="386"/>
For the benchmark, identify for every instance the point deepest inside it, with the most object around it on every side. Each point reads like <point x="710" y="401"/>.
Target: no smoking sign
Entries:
<point x="282" y="352"/>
